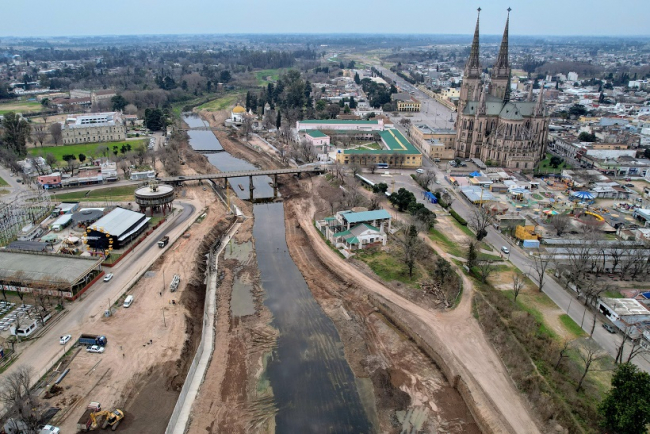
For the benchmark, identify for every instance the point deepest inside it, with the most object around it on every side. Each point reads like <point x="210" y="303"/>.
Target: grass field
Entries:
<point x="388" y="266"/>
<point x="83" y="148"/>
<point x="20" y="107"/>
<point x="263" y="75"/>
<point x="225" y="102"/>
<point x="545" y="165"/>
<point x="3" y="182"/>
<point x="123" y="193"/>
<point x="447" y="245"/>
<point x="571" y="326"/>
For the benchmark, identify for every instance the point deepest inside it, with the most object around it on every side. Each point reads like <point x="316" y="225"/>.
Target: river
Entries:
<point x="314" y="388"/>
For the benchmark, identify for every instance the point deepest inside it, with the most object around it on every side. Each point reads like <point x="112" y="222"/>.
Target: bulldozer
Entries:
<point x="112" y="419"/>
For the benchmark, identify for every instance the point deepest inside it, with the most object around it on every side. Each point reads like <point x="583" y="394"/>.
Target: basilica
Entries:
<point x="490" y="125"/>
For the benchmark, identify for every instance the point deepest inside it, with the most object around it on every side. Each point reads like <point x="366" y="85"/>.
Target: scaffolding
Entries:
<point x="24" y="213"/>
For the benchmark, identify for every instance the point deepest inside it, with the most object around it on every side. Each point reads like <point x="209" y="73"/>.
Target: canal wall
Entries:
<point x="483" y="409"/>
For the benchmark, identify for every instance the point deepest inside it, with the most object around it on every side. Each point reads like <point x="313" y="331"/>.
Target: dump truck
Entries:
<point x="163" y="241"/>
<point x="86" y="419"/>
<point x="93" y="340"/>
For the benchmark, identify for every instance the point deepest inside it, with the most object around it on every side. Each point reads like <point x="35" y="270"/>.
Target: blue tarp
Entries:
<point x="430" y="197"/>
<point x="475" y="174"/>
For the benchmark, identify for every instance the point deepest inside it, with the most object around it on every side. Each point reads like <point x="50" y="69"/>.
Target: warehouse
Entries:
<point x="54" y="275"/>
<point x="116" y="229"/>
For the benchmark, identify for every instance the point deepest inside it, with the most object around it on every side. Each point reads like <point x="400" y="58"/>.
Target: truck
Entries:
<point x="93" y="340"/>
<point x="85" y="421"/>
<point x="163" y="241"/>
<point x="176" y="280"/>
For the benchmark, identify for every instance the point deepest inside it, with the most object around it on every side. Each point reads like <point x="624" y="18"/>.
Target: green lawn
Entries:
<point x="264" y="74"/>
<point x="571" y="326"/>
<point x="225" y="102"/>
<point x="545" y="165"/>
<point x="20" y="107"/>
<point x="112" y="193"/>
<point x="3" y="182"/>
<point x="388" y="267"/>
<point x="83" y="148"/>
<point x="447" y="245"/>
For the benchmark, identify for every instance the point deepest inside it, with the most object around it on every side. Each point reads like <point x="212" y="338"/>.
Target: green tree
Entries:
<point x="278" y="120"/>
<point x="625" y="408"/>
<point x="577" y="110"/>
<point x="472" y="254"/>
<point x="587" y="137"/>
<point x="646" y="153"/>
<point x="357" y="80"/>
<point x="556" y="161"/>
<point x="225" y="76"/>
<point x="16" y="133"/>
<point x="119" y="102"/>
<point x="352" y="103"/>
<point x="82" y="158"/>
<point x="402" y="199"/>
<point x="154" y="119"/>
<point x="381" y="187"/>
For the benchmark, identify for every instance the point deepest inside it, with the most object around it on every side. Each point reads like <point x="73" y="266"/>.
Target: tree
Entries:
<point x="589" y="355"/>
<point x="82" y="158"/>
<point x="56" y="132"/>
<point x="479" y="221"/>
<point x="130" y="109"/>
<point x="518" y="283"/>
<point x="560" y="222"/>
<point x="402" y="199"/>
<point x="246" y="128"/>
<point x="405" y="122"/>
<point x="412" y="246"/>
<point x="355" y="168"/>
<point x="50" y="159"/>
<point x="587" y="137"/>
<point x="540" y="265"/>
<point x="472" y="253"/>
<point x="118" y="102"/>
<point x="425" y="179"/>
<point x="624" y="409"/>
<point x="278" y="120"/>
<point x="357" y="80"/>
<point x="485" y="269"/>
<point x="563" y="353"/>
<point x="17" y="132"/>
<point x="154" y="119"/>
<point x="15" y="392"/>
<point x="556" y="161"/>
<point x="40" y="134"/>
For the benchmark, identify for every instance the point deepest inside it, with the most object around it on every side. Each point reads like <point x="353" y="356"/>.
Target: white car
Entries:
<point x="419" y="171"/>
<point x="505" y="250"/>
<point x="95" y="349"/>
<point x="65" y="339"/>
<point x="108" y="277"/>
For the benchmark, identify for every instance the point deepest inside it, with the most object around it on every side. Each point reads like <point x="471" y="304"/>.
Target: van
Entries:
<point x="128" y="300"/>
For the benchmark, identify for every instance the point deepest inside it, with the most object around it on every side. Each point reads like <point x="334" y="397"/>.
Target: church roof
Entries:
<point x="239" y="109"/>
<point x="494" y="106"/>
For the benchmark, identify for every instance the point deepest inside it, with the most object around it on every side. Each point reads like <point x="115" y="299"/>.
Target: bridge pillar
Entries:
<point x="225" y="183"/>
<point x="275" y="186"/>
<point x="251" y="187"/>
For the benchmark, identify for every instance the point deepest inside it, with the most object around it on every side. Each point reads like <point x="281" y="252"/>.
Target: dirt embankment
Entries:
<point x="402" y="389"/>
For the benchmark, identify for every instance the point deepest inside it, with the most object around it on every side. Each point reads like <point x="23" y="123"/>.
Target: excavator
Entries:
<point x="112" y="419"/>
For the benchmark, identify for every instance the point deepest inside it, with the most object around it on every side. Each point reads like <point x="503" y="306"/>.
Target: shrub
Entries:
<point x="458" y="218"/>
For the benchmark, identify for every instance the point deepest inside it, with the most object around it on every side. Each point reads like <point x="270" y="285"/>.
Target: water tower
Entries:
<point x="156" y="197"/>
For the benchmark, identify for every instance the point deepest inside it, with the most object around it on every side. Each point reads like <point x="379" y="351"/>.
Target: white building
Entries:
<point x="96" y="127"/>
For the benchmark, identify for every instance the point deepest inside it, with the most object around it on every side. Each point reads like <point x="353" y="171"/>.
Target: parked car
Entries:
<point x="95" y="349"/>
<point x="628" y="179"/>
<point x="108" y="277"/>
<point x="505" y="250"/>
<point x="610" y="328"/>
<point x="629" y="185"/>
<point x="419" y="171"/>
<point x="65" y="339"/>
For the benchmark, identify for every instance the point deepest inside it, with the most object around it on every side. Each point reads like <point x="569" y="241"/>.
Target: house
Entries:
<point x="623" y="312"/>
<point x="352" y="230"/>
<point x="359" y="236"/>
<point x="318" y="140"/>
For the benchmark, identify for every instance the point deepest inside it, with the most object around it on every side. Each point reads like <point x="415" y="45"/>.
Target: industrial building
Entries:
<point x="116" y="229"/>
<point x="54" y="275"/>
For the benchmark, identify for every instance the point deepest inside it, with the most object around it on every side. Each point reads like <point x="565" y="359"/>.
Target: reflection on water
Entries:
<point x="312" y="382"/>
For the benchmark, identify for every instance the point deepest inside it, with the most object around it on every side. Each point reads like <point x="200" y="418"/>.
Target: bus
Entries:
<point x="381" y="165"/>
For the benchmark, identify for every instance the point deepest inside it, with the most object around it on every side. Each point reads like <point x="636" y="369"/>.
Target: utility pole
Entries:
<point x="163" y="312"/>
<point x="163" y="271"/>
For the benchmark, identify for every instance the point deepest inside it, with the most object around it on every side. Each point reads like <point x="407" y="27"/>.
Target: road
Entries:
<point x="42" y="352"/>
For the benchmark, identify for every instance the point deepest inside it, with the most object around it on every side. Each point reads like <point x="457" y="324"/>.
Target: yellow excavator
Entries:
<point x="112" y="419"/>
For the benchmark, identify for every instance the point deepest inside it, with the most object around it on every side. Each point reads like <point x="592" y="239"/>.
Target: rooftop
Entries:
<point x="393" y="140"/>
<point x="24" y="267"/>
<point x="625" y="306"/>
<point x="339" y="121"/>
<point x="364" y="216"/>
<point x="117" y="221"/>
<point x="316" y="134"/>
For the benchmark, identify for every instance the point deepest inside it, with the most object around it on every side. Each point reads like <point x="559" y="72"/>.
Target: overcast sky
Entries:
<point x="129" y="17"/>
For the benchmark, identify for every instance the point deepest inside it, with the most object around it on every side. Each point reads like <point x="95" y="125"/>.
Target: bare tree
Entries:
<point x="564" y="353"/>
<point x="485" y="269"/>
<point x="268" y="122"/>
<point x="355" y="168"/>
<point x="125" y="167"/>
<point x="338" y="171"/>
<point x="56" y="132"/>
<point x="560" y="223"/>
<point x="518" y="283"/>
<point x="152" y="157"/>
<point x="332" y="195"/>
<point x="425" y="179"/>
<point x="540" y="265"/>
<point x="479" y="221"/>
<point x="130" y="109"/>
<point x="246" y="128"/>
<point x="352" y="196"/>
<point x="40" y="134"/>
<point x="102" y="150"/>
<point x="413" y="247"/>
<point x="15" y="392"/>
<point x="589" y="355"/>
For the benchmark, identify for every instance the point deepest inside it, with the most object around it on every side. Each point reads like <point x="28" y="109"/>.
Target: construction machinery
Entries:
<point x="111" y="418"/>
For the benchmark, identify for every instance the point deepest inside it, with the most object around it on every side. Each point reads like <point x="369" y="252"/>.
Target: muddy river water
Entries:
<point x="314" y="388"/>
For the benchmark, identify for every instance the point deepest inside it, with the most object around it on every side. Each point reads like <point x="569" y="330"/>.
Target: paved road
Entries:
<point x="40" y="353"/>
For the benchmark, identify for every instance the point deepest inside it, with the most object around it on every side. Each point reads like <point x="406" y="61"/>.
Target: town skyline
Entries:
<point x="576" y="18"/>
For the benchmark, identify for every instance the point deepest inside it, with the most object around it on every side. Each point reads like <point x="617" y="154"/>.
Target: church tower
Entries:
<point x="472" y="74"/>
<point x="501" y="71"/>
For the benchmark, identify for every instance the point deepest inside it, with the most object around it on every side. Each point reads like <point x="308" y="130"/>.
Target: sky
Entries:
<point x="136" y="17"/>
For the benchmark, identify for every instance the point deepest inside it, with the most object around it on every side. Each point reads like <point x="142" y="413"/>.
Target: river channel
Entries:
<point x="314" y="388"/>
